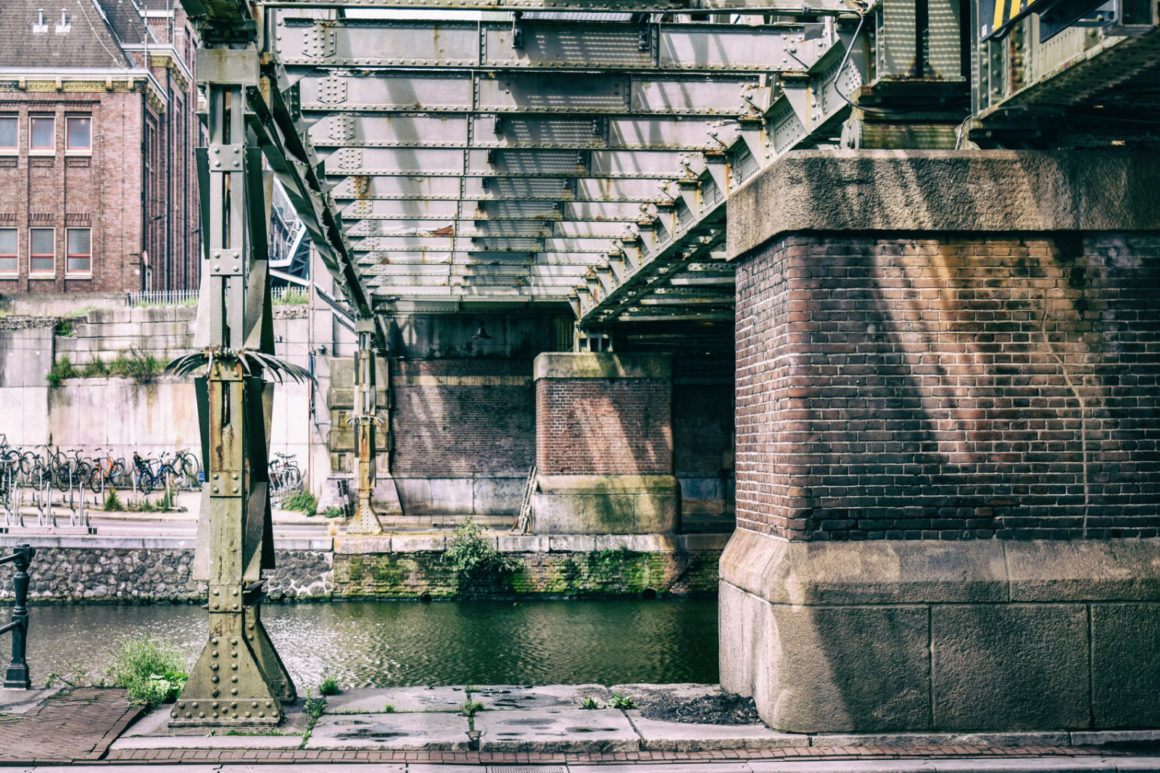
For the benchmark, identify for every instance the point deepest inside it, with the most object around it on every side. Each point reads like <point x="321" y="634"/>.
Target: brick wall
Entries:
<point x="592" y="426"/>
<point x="106" y="190"/>
<point x="459" y="418"/>
<point x="932" y="388"/>
<point x="702" y="417"/>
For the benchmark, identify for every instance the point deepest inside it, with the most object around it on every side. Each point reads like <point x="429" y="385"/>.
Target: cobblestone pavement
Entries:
<point x="78" y="724"/>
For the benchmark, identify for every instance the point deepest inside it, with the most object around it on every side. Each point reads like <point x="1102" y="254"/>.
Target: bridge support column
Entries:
<point x="238" y="678"/>
<point x="948" y="443"/>
<point x="365" y="520"/>
<point x="604" y="444"/>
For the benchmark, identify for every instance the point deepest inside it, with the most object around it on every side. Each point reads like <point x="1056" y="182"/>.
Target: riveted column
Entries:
<point x="365" y="520"/>
<point x="238" y="678"/>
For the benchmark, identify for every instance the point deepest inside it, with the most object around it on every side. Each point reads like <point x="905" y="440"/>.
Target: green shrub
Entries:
<point x="333" y="512"/>
<point x="303" y="501"/>
<point x="113" y="502"/>
<point x="473" y="558"/>
<point x="151" y="671"/>
<point x="589" y="704"/>
<point x="471" y="708"/>
<point x="61" y="369"/>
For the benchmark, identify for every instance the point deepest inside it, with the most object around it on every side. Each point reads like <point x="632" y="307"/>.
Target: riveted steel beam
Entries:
<point x="482" y="130"/>
<point x="779" y="7"/>
<point x="545" y="45"/>
<point x="565" y="93"/>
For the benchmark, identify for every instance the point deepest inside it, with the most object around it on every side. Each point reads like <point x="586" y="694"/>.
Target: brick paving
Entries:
<point x="76" y="725"/>
<point x="178" y="756"/>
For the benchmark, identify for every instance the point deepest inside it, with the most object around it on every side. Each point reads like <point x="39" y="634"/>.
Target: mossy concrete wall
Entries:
<point x="135" y="570"/>
<point x="541" y="566"/>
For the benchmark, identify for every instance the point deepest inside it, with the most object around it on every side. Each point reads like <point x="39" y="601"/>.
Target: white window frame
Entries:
<point x="16" y="271"/>
<point x="69" y="272"/>
<point x="12" y="150"/>
<point x="41" y="151"/>
<point x="35" y="274"/>
<point x="78" y="151"/>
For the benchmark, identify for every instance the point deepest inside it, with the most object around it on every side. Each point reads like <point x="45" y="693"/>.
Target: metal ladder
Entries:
<point x="524" y="522"/>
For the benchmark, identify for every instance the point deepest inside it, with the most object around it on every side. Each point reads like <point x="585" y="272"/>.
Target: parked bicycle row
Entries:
<point x="100" y="469"/>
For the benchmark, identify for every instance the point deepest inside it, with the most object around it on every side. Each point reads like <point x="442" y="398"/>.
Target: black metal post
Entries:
<point x="18" y="675"/>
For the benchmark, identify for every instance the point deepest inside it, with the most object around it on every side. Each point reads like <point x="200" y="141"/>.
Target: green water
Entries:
<point x="383" y="644"/>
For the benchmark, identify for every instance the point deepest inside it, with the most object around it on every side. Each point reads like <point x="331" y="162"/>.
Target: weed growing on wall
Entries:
<point x="61" y="369"/>
<point x="113" y="502"/>
<point x="475" y="561"/>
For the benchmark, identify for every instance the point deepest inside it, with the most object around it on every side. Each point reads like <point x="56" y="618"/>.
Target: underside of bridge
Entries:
<point x="880" y="277"/>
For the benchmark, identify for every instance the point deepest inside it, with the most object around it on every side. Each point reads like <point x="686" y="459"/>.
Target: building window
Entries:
<point x="42" y="131"/>
<point x="8" y="266"/>
<point x="8" y="134"/>
<point x="42" y="251"/>
<point x="79" y="259"/>
<point x="79" y="133"/>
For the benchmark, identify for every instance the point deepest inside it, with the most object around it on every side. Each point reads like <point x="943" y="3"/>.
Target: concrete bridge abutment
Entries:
<point x="948" y="442"/>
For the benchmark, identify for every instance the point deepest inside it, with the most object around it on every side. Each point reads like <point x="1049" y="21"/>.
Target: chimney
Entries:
<point x="64" y="27"/>
<point x="39" y="26"/>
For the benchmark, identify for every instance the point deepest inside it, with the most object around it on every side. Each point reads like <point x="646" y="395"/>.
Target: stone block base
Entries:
<point x="942" y="636"/>
<point x="605" y="504"/>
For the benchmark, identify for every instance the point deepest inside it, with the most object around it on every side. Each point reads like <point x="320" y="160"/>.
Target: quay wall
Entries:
<point x="136" y="570"/>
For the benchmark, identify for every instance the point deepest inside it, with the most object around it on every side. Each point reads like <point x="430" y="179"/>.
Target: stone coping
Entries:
<point x="401" y="543"/>
<point x="929" y="572"/>
<point x="607" y="484"/>
<point x="97" y="542"/>
<point x="581" y="365"/>
<point x="536" y="543"/>
<point x="941" y="190"/>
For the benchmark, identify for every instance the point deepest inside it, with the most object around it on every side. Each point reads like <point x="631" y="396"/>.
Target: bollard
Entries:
<point x="18" y="675"/>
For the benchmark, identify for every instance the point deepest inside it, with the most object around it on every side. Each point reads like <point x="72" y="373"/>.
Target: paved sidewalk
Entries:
<point x="515" y="730"/>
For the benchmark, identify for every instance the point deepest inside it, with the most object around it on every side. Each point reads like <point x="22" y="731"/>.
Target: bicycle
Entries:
<point x="106" y="471"/>
<point x="150" y="477"/>
<point x="284" y="473"/>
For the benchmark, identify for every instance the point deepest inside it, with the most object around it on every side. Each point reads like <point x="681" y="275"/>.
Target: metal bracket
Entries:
<point x="225" y="598"/>
<point x="225" y="262"/>
<point x="225" y="485"/>
<point x="226" y="158"/>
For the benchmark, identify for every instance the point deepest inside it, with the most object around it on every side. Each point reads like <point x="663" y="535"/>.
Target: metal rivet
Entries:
<point x="213" y="654"/>
<point x="234" y="666"/>
<point x="215" y="679"/>
<point x="193" y="705"/>
<point x="234" y="679"/>
<point x="254" y="704"/>
<point x="234" y="691"/>
<point x="216" y="592"/>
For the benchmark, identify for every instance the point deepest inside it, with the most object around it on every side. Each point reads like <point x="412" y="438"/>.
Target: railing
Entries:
<point x="18" y="675"/>
<point x="163" y="298"/>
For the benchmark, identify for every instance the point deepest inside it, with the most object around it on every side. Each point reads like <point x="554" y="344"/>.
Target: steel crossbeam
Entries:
<point x="489" y="47"/>
<point x="779" y="7"/>
<point x="490" y="130"/>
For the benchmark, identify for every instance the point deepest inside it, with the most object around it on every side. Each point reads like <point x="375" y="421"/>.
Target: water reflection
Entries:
<point x="381" y="644"/>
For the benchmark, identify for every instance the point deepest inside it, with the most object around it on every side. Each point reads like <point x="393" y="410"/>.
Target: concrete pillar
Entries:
<point x="604" y="444"/>
<point x="948" y="442"/>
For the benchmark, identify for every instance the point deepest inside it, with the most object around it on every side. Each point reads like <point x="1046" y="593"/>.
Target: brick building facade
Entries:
<point x="97" y="129"/>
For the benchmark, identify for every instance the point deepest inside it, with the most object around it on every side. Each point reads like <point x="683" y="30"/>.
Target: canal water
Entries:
<point x="384" y="644"/>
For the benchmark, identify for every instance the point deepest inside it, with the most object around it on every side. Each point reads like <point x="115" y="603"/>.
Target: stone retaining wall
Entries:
<point x="400" y="567"/>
